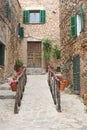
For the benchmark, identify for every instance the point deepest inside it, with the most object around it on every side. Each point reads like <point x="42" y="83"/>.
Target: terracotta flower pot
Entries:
<point x="13" y="86"/>
<point x="62" y="85"/>
<point x="66" y="83"/>
<point x="20" y="70"/>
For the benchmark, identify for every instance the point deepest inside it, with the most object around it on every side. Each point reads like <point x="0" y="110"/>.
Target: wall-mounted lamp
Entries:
<point x="54" y="12"/>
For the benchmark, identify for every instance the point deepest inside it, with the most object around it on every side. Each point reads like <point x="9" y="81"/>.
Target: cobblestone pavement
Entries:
<point x="38" y="111"/>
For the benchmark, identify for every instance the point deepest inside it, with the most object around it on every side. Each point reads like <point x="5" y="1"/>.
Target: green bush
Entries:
<point x="56" y="52"/>
<point x="47" y="49"/>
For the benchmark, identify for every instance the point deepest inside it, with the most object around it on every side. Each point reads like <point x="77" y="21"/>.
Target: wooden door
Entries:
<point x="76" y="74"/>
<point x="34" y="54"/>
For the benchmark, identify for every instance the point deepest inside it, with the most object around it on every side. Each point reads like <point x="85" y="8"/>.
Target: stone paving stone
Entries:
<point x="38" y="112"/>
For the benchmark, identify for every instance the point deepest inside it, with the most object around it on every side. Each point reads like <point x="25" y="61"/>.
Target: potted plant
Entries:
<point x="13" y="84"/>
<point x="47" y="51"/>
<point x="18" y="65"/>
<point x="56" y="52"/>
<point x="62" y="85"/>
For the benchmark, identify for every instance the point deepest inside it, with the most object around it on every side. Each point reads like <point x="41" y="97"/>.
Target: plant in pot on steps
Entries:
<point x="13" y="84"/>
<point x="47" y="51"/>
<point x="18" y="67"/>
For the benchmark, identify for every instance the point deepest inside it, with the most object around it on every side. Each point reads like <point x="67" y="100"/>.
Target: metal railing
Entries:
<point x="54" y="85"/>
<point x="21" y="82"/>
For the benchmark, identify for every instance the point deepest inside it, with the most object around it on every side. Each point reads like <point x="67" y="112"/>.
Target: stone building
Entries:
<point x="40" y="21"/>
<point x="73" y="38"/>
<point x="10" y="39"/>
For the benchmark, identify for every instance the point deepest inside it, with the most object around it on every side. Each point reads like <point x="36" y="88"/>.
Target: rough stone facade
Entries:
<point x="38" y="32"/>
<point x="9" y="35"/>
<point x="71" y="47"/>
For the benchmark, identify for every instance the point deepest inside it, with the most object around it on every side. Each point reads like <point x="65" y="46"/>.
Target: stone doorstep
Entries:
<point x="35" y="71"/>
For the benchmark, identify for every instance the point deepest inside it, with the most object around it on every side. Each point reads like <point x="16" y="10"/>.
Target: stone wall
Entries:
<point x="9" y="35"/>
<point x="38" y="32"/>
<point x="73" y="46"/>
<point x="12" y="37"/>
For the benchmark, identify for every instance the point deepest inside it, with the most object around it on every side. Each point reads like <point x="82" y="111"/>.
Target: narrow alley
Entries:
<point x="39" y="37"/>
<point x="38" y="112"/>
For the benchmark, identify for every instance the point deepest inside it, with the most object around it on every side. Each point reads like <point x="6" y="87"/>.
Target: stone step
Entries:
<point x="5" y="86"/>
<point x="35" y="71"/>
<point x="6" y="93"/>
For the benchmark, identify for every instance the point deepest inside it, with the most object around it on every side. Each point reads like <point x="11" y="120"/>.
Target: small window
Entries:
<point x="34" y="17"/>
<point x="20" y="31"/>
<point x="8" y="11"/>
<point x="77" y="25"/>
<point x="30" y="16"/>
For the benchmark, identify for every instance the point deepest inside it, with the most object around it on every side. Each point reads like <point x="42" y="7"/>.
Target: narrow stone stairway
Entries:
<point x="38" y="112"/>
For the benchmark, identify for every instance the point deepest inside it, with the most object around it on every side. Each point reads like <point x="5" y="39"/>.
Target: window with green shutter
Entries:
<point x="21" y="32"/>
<point x="2" y="54"/>
<point x="8" y="11"/>
<point x="77" y="23"/>
<point x="74" y="25"/>
<point x="76" y="74"/>
<point x="26" y="16"/>
<point x="34" y="16"/>
<point x="42" y="16"/>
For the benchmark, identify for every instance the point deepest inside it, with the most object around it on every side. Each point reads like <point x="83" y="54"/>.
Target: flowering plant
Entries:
<point x="12" y="81"/>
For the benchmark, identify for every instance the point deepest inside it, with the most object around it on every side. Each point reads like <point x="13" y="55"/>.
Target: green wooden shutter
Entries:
<point x="76" y="74"/>
<point x="2" y="54"/>
<point x="42" y="16"/>
<point x="8" y="11"/>
<point x="26" y="16"/>
<point x="9" y="14"/>
<point x="21" y="32"/>
<point x="81" y="15"/>
<point x="74" y="25"/>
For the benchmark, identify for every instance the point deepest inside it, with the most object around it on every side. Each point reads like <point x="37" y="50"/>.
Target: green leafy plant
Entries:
<point x="58" y="69"/>
<point x="18" y="63"/>
<point x="47" y="49"/>
<point x="56" y="52"/>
